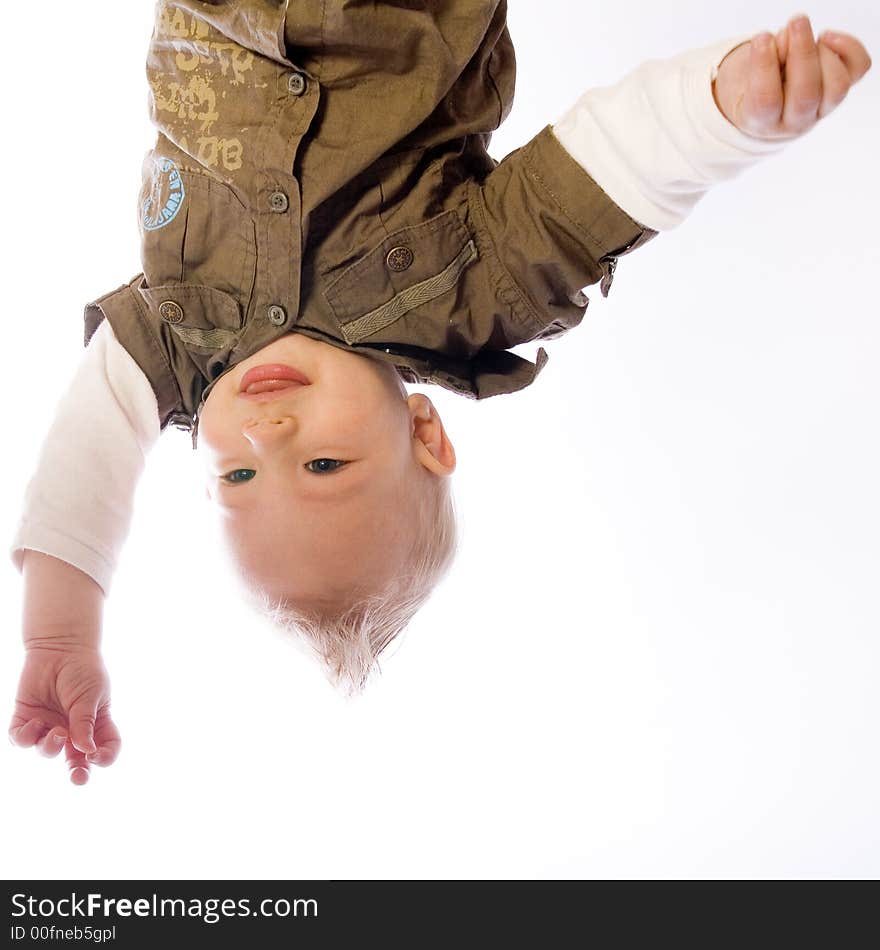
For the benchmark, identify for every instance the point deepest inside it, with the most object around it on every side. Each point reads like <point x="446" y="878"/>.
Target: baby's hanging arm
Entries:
<point x="75" y="519"/>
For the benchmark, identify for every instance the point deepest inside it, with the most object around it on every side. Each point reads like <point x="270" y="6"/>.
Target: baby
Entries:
<point x="321" y="223"/>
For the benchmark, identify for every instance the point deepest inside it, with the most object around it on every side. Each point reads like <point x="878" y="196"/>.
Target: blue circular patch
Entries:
<point x="166" y="195"/>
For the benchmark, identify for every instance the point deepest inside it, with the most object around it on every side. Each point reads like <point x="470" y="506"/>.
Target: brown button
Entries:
<point x="278" y="202"/>
<point x="399" y="258"/>
<point x="276" y="315"/>
<point x="296" y="84"/>
<point x="170" y="311"/>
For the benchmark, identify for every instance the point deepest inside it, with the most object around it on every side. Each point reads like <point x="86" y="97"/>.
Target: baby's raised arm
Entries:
<point x="652" y="146"/>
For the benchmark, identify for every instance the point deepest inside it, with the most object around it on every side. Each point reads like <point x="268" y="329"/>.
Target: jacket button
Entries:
<point x="170" y="311"/>
<point x="278" y="202"/>
<point x="277" y="316"/>
<point x="296" y="84"/>
<point x="399" y="258"/>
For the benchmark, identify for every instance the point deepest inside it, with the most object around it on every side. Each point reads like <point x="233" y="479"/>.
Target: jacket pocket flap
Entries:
<point x="407" y="269"/>
<point x="199" y="316"/>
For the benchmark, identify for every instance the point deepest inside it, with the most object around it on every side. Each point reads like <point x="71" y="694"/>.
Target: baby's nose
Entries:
<point x="267" y="432"/>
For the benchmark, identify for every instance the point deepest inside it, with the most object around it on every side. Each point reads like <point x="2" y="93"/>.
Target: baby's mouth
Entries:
<point x="262" y="382"/>
<point x="270" y="386"/>
<point x="269" y="389"/>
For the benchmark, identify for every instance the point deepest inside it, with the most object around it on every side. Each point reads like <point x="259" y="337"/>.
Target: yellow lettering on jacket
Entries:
<point x="175" y="24"/>
<point x="190" y="38"/>
<point x="195" y="101"/>
<point x="226" y="54"/>
<point x="214" y="151"/>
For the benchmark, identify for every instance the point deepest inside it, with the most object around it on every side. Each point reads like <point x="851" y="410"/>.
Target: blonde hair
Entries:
<point x="348" y="644"/>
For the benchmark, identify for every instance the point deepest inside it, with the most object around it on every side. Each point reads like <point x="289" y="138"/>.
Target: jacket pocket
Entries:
<point x="202" y="318"/>
<point x="408" y="280"/>
<point x="195" y="231"/>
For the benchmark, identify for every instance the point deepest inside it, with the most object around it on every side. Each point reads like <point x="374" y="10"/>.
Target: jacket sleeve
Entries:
<point x="78" y="503"/>
<point x="550" y="230"/>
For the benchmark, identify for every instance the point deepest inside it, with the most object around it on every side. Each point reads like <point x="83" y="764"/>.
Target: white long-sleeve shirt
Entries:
<point x="654" y="142"/>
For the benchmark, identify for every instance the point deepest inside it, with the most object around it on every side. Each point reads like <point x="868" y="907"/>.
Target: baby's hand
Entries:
<point x="779" y="87"/>
<point x="63" y="702"/>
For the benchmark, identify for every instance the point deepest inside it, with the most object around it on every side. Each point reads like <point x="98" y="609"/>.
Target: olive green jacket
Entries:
<point x="321" y="167"/>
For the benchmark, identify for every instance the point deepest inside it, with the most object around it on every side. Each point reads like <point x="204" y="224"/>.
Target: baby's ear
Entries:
<point x="432" y="446"/>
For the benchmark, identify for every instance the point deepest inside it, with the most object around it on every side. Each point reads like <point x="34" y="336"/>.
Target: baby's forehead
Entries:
<point x="365" y="545"/>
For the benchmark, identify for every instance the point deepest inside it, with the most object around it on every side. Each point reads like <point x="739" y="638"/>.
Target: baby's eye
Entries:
<point x="230" y="478"/>
<point x="323" y="469"/>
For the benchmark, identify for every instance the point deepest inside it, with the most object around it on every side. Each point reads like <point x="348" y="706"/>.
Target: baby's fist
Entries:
<point x="779" y="87"/>
<point x="63" y="702"/>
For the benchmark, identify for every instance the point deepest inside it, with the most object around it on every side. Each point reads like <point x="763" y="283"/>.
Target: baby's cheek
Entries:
<point x="211" y="428"/>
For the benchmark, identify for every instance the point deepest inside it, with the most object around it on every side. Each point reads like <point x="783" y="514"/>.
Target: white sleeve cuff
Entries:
<point x="100" y="565"/>
<point x="656" y="141"/>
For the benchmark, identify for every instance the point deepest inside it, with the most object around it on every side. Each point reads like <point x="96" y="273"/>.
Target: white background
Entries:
<point x="657" y="654"/>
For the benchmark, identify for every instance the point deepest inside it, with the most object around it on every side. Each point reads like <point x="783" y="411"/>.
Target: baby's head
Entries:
<point x="334" y="496"/>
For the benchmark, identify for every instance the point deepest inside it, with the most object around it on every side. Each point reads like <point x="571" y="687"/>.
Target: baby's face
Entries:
<point x="319" y="484"/>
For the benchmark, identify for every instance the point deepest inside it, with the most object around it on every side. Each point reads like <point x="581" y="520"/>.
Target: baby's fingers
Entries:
<point x="835" y="80"/>
<point x="53" y="742"/>
<point x="82" y="723"/>
<point x="803" y="78"/>
<point x="77" y="763"/>
<point x="107" y="739"/>
<point x="782" y="44"/>
<point x="854" y="55"/>
<point x="29" y="734"/>
<point x="762" y="103"/>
